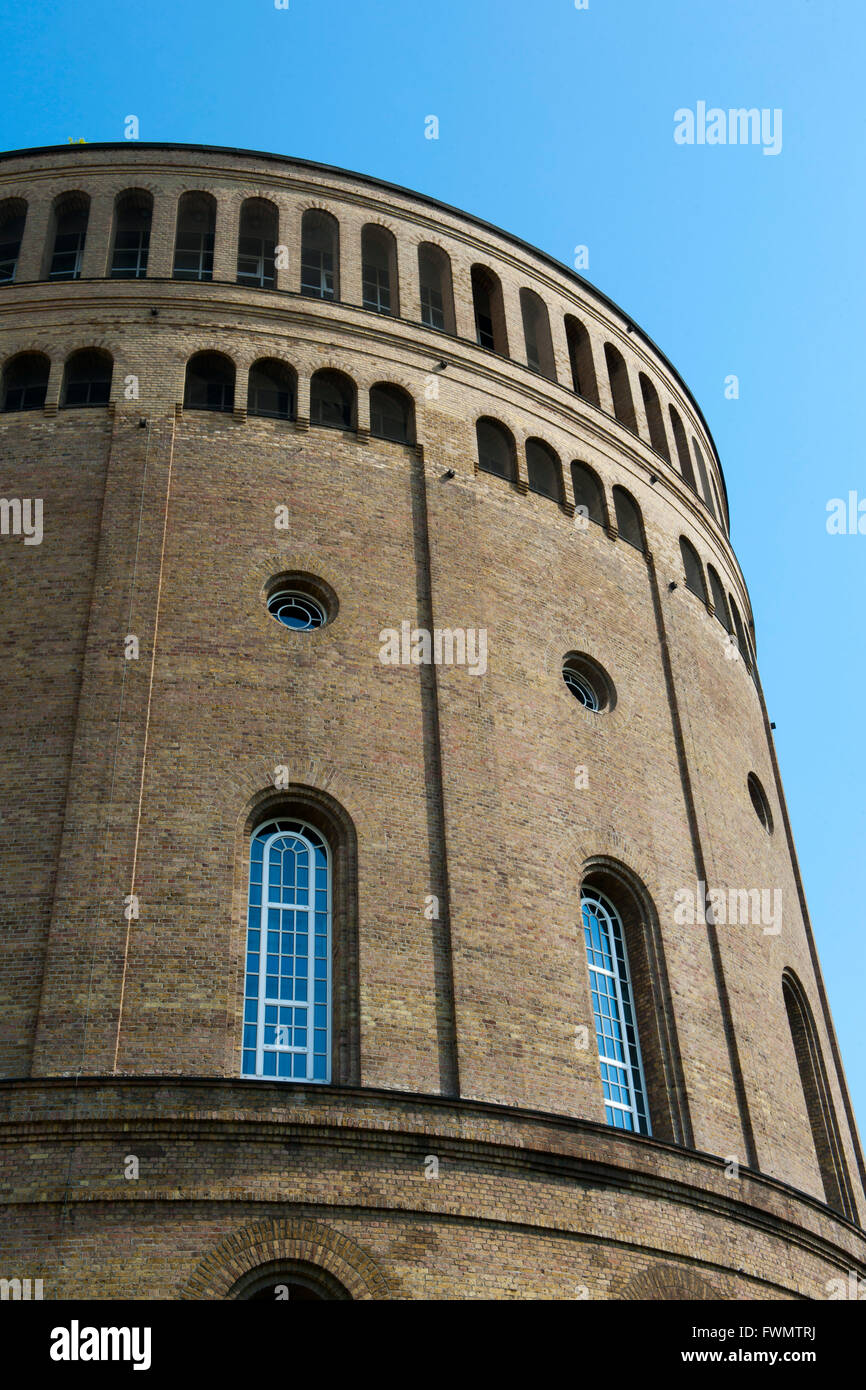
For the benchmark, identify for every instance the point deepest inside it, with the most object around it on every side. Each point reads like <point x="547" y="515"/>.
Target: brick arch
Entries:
<point x="669" y="1283"/>
<point x="288" y="1238"/>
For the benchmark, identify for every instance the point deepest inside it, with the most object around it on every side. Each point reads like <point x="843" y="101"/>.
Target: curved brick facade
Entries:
<point x="460" y="1028"/>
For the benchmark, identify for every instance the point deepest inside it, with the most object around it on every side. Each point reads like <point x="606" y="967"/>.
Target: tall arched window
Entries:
<point x="702" y="471"/>
<point x="543" y="468"/>
<point x="613" y="1007"/>
<point x="536" y="334"/>
<point x="272" y="389"/>
<point x="13" y="214"/>
<point x="87" y="378"/>
<point x="320" y="261"/>
<point x="588" y="491"/>
<point x="819" y="1102"/>
<point x="25" y="381"/>
<point x="654" y="417"/>
<point x="629" y="523"/>
<point x="379" y="270"/>
<point x="193" y="248"/>
<point x="496" y="451"/>
<point x="392" y="414"/>
<point x="682" y="448"/>
<point x="580" y="356"/>
<point x="437" y="297"/>
<point x="741" y="633"/>
<point x="287" y="998"/>
<point x="720" y="603"/>
<point x="620" y="387"/>
<point x="71" y="213"/>
<point x="133" y="212"/>
<point x="210" y="382"/>
<point x="332" y="400"/>
<point x="692" y="569"/>
<point x="489" y="311"/>
<point x="257" y="239"/>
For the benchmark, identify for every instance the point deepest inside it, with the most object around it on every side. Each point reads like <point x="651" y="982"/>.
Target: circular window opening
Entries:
<point x="297" y="610"/>
<point x="300" y="601"/>
<point x="587" y="682"/>
<point x="760" y="803"/>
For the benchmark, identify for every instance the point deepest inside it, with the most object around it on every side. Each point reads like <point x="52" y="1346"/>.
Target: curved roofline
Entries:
<point x="406" y="192"/>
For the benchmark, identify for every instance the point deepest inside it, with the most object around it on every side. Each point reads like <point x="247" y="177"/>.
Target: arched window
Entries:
<point x="193" y="248"/>
<point x="133" y="212"/>
<point x="332" y="400"/>
<point x="613" y="1007"/>
<point x="654" y="417"/>
<point x="71" y="213"/>
<point x="379" y="270"/>
<point x="87" y="378"/>
<point x="272" y="389"/>
<point x="489" y="311"/>
<point x="536" y="334"/>
<point x="580" y="356"/>
<point x="620" y="388"/>
<point x="289" y="1281"/>
<point x="720" y="511"/>
<point x="740" y="631"/>
<point x="287" y="999"/>
<point x="682" y="449"/>
<point x="320" y="234"/>
<point x="25" y="381"/>
<point x="496" y="451"/>
<point x="692" y="569"/>
<point x="437" y="297"/>
<point x="13" y="214"/>
<point x="542" y="465"/>
<point x="210" y="382"/>
<point x="819" y="1102"/>
<point x="588" y="491"/>
<point x="392" y="414"/>
<point x="702" y="471"/>
<point x="629" y="523"/>
<point x="257" y="241"/>
<point x="720" y="603"/>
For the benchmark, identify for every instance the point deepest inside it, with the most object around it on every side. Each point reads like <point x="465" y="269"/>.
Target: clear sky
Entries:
<point x="557" y="124"/>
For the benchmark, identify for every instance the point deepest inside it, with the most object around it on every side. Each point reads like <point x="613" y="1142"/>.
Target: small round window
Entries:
<point x="297" y="610"/>
<point x="760" y="803"/>
<point x="587" y="682"/>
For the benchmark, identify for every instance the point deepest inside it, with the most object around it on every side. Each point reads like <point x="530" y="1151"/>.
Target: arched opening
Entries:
<point x="320" y="261"/>
<point x="544" y="470"/>
<point x="25" y="381"/>
<point x="70" y="217"/>
<point x="87" y="378"/>
<point x="288" y="1281"/>
<point x="580" y="356"/>
<point x="819" y="1102"/>
<point x="682" y="448"/>
<point x="489" y="311"/>
<point x="620" y="387"/>
<point x="496" y="450"/>
<point x="272" y="389"/>
<point x="588" y="492"/>
<point x="332" y="400"/>
<point x="654" y="417"/>
<point x="720" y="603"/>
<point x="629" y="522"/>
<point x="741" y="633"/>
<point x="704" y="476"/>
<point x="536" y="334"/>
<point x="392" y="413"/>
<point x="257" y="239"/>
<point x="692" y="569"/>
<point x="638" y="1049"/>
<point x="210" y="382"/>
<point x="379" y="270"/>
<point x="13" y="215"/>
<point x="437" y="296"/>
<point x="194" y="241"/>
<point x="133" y="213"/>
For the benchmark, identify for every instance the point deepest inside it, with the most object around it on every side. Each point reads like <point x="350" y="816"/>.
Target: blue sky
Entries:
<point x="557" y="124"/>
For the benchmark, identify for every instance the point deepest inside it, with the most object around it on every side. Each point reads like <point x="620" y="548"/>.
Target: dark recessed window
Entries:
<point x="760" y="803"/>
<point x="587" y="682"/>
<point x="297" y="610"/>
